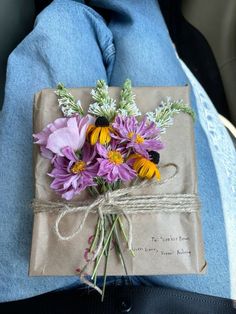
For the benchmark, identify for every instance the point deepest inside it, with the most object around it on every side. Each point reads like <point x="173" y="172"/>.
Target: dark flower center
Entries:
<point x="101" y="121"/>
<point x="154" y="156"/>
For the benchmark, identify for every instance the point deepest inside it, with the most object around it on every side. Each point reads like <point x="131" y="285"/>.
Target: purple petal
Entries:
<point x="66" y="183"/>
<point x="69" y="153"/>
<point x="101" y="150"/>
<point x="46" y="153"/>
<point x="68" y="195"/>
<point x="126" y="173"/>
<point x="89" y="152"/>
<point x="83" y="124"/>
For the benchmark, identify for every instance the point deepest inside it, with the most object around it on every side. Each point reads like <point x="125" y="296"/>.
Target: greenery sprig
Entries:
<point x="104" y="105"/>
<point x="69" y="106"/>
<point x="127" y="105"/>
<point x="163" y="116"/>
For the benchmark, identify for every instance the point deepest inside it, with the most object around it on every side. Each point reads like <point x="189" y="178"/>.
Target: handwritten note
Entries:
<point x="166" y="245"/>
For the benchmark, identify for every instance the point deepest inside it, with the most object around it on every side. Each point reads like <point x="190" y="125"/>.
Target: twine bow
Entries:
<point x="109" y="203"/>
<point x="119" y="202"/>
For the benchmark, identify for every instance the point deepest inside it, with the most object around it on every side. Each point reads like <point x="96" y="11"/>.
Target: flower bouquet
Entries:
<point x="109" y="152"/>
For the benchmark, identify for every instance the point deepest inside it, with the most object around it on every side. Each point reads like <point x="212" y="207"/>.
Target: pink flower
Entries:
<point x="72" y="135"/>
<point x="61" y="133"/>
<point x="72" y="173"/>
<point x="140" y="136"/>
<point x="112" y="165"/>
<point x="42" y="137"/>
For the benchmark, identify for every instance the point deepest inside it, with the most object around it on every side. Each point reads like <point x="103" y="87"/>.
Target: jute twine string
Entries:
<point x="119" y="202"/>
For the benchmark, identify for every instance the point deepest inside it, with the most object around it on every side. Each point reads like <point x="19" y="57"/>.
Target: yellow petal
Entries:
<point x="144" y="170"/>
<point x="150" y="173"/>
<point x="94" y="135"/>
<point x="104" y="136"/>
<point x="90" y="128"/>
<point x="138" y="164"/>
<point x="134" y="156"/>
<point x="108" y="139"/>
<point x="158" y="175"/>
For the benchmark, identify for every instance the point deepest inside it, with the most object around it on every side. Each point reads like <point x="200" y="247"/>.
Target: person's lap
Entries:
<point x="61" y="48"/>
<point x="71" y="43"/>
<point x="147" y="62"/>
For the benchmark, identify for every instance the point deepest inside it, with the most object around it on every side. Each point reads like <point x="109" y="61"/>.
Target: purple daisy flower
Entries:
<point x="112" y="165"/>
<point x="73" y="174"/>
<point x="141" y="136"/>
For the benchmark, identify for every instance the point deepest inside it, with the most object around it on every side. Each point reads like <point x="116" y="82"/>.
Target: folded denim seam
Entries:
<point x="108" y="52"/>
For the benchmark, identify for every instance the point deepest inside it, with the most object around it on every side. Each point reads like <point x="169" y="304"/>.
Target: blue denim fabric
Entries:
<point x="73" y="44"/>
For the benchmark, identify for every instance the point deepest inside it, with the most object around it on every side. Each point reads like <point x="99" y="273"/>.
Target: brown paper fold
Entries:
<point x="164" y="242"/>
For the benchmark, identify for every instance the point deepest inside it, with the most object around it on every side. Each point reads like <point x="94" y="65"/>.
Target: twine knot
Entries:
<point x="117" y="201"/>
<point x="107" y="197"/>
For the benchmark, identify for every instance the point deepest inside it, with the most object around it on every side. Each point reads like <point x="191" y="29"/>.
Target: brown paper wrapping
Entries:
<point x="164" y="242"/>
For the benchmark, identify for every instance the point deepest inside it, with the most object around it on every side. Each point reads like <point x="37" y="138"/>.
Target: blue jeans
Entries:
<point x="73" y="44"/>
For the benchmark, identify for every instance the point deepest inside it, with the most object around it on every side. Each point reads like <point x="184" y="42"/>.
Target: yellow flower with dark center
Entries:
<point x="145" y="167"/>
<point x="100" y="132"/>
<point x="78" y="167"/>
<point x="115" y="157"/>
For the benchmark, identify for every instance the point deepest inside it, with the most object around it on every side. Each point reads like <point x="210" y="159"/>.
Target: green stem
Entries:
<point x="105" y="269"/>
<point x="125" y="235"/>
<point x="98" y="230"/>
<point x="120" y="250"/>
<point x="104" y="247"/>
<point x="118" y="246"/>
<point x="95" y="275"/>
<point x="96" y="236"/>
<point x="95" y="278"/>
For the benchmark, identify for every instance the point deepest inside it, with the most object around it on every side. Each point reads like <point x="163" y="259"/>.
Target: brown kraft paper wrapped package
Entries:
<point x="164" y="241"/>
